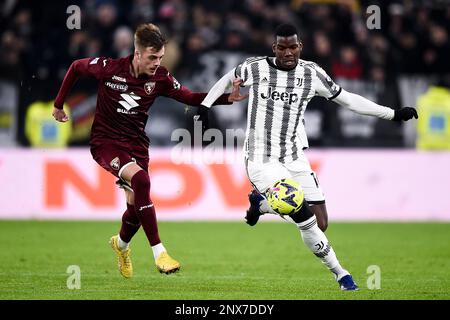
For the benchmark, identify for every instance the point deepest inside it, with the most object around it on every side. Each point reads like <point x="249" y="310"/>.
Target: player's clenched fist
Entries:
<point x="60" y="115"/>
<point x="405" y="114"/>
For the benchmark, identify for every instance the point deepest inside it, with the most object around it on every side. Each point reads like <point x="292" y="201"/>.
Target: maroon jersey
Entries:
<point x="123" y="101"/>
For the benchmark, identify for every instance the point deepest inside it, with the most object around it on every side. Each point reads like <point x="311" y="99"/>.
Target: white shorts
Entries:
<point x="264" y="175"/>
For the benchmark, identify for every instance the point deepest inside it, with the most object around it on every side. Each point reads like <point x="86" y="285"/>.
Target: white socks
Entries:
<point x="122" y="244"/>
<point x="264" y="207"/>
<point x="318" y="243"/>
<point x="157" y="250"/>
<point x="315" y="240"/>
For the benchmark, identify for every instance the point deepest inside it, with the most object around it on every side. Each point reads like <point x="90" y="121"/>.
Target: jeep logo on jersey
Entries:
<point x="283" y="96"/>
<point x="148" y="87"/>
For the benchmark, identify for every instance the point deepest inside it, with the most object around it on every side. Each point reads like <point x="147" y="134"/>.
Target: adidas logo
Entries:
<point x="264" y="80"/>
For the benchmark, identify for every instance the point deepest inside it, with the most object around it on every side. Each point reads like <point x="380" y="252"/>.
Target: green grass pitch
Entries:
<point x="224" y="260"/>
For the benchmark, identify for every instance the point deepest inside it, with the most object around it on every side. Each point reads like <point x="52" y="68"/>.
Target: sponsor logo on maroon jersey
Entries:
<point x="117" y="86"/>
<point x="145" y="207"/>
<point x="148" y="87"/>
<point x="128" y="102"/>
<point x="119" y="78"/>
<point x="115" y="163"/>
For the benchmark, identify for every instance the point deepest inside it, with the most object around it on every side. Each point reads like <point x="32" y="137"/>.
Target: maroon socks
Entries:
<point x="143" y="207"/>
<point x="130" y="224"/>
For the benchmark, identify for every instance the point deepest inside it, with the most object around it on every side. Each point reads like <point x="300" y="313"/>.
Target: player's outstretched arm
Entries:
<point x="186" y="96"/>
<point x="220" y="87"/>
<point x="83" y="67"/>
<point x="364" y="106"/>
<point x="216" y="91"/>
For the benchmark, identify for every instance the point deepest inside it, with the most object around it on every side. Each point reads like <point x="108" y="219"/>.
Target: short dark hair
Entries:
<point x="285" y="30"/>
<point x="149" y="35"/>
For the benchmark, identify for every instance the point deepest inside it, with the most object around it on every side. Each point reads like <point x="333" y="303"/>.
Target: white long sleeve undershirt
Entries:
<point x="353" y="101"/>
<point x="218" y="89"/>
<point x="363" y="106"/>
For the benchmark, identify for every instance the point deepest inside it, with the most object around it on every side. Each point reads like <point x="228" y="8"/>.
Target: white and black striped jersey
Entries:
<point x="277" y="103"/>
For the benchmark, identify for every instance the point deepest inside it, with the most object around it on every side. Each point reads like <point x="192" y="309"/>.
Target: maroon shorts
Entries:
<point x="113" y="158"/>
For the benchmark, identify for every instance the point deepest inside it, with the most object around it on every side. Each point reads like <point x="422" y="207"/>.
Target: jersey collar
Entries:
<point x="273" y="65"/>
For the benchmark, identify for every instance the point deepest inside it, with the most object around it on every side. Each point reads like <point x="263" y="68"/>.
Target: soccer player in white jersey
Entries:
<point x="280" y="89"/>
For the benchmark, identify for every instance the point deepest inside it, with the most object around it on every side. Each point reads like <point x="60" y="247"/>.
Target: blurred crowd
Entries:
<point x="36" y="47"/>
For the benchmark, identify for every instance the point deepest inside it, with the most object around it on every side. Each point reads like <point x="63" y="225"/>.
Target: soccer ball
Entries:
<point x="285" y="196"/>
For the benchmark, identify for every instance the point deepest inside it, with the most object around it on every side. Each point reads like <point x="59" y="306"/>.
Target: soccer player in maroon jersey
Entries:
<point x="127" y="89"/>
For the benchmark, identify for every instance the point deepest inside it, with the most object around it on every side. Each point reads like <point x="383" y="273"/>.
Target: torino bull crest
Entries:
<point x="149" y="86"/>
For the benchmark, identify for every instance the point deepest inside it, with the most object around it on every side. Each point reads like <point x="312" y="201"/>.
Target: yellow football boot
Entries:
<point x="166" y="264"/>
<point x="123" y="258"/>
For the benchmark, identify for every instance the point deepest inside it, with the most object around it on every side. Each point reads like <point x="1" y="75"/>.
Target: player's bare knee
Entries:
<point x="130" y="197"/>
<point x="322" y="223"/>
<point x="320" y="211"/>
<point x="128" y="171"/>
